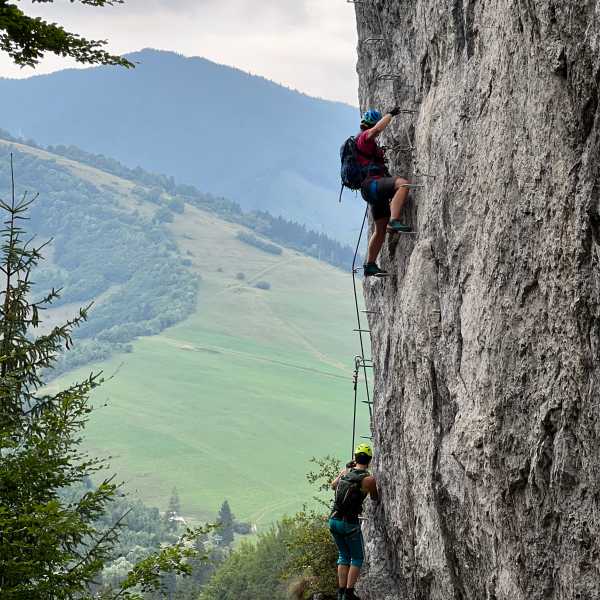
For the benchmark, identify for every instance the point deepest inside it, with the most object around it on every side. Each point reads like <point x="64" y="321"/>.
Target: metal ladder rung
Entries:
<point x="362" y="330"/>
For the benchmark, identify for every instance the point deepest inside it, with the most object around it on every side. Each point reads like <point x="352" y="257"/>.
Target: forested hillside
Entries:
<point x="235" y="324"/>
<point x="143" y="284"/>
<point x="229" y="133"/>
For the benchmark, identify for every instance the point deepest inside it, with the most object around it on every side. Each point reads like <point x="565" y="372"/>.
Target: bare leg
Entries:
<point x="399" y="198"/>
<point x="343" y="575"/>
<point x="377" y="240"/>
<point x="353" y="574"/>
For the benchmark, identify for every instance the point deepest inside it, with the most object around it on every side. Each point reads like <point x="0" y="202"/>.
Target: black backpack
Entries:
<point x="353" y="174"/>
<point x="349" y="496"/>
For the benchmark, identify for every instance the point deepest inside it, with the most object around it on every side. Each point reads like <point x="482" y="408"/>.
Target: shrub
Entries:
<point x="163" y="215"/>
<point x="240" y="276"/>
<point x="177" y="205"/>
<point x="262" y="285"/>
<point x="252" y="240"/>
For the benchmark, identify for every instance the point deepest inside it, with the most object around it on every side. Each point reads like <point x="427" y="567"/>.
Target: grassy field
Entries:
<point x="233" y="402"/>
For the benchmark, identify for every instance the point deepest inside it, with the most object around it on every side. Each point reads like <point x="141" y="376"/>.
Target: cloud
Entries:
<point x="307" y="44"/>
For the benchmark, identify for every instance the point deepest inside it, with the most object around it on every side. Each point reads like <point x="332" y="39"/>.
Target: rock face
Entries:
<point x="487" y="411"/>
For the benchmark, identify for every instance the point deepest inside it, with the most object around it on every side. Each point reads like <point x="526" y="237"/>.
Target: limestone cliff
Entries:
<point x="487" y="412"/>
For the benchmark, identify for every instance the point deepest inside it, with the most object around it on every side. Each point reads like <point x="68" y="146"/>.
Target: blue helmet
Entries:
<point x="370" y="117"/>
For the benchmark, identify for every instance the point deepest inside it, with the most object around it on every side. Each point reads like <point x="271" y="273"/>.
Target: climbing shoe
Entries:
<point x="350" y="595"/>
<point x="395" y="226"/>
<point x="372" y="270"/>
<point x="341" y="595"/>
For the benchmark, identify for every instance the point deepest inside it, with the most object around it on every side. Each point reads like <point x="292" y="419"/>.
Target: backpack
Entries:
<point x="349" y="495"/>
<point x="353" y="174"/>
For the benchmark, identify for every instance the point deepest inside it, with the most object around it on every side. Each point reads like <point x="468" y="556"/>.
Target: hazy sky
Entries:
<point x="309" y="45"/>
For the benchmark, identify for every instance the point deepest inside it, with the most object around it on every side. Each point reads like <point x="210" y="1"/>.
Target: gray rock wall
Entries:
<point x="487" y="411"/>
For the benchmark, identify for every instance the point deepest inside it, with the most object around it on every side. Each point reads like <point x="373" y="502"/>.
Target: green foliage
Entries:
<point x="225" y="520"/>
<point x="312" y="553"/>
<point x="262" y="285"/>
<point x="297" y="549"/>
<point x="146" y="574"/>
<point x="145" y="286"/>
<point x="47" y="548"/>
<point x="328" y="469"/>
<point x="177" y="205"/>
<point x="253" y="571"/>
<point x="26" y="39"/>
<point x="173" y="511"/>
<point x="52" y="541"/>
<point x="164" y="215"/>
<point x="252" y="240"/>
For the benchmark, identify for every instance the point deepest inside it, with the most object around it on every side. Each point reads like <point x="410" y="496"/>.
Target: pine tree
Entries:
<point x="49" y="547"/>
<point x="225" y="523"/>
<point x="173" y="511"/>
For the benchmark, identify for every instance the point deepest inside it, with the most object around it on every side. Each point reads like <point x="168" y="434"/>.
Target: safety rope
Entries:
<point x="362" y="362"/>
<point x="359" y="361"/>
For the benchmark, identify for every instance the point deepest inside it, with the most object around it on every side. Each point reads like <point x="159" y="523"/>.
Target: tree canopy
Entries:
<point x="27" y="39"/>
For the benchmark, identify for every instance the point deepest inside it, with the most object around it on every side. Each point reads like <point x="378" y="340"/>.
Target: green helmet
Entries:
<point x="364" y="449"/>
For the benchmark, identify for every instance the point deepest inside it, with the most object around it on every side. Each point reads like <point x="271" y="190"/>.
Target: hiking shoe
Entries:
<point x="372" y="270"/>
<point x="350" y="595"/>
<point x="341" y="594"/>
<point x="395" y="226"/>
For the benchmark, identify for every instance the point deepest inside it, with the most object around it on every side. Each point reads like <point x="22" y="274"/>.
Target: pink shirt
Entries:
<point x="374" y="155"/>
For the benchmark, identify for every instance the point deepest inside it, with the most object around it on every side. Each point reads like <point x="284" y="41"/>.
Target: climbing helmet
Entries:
<point x="371" y="117"/>
<point x="364" y="449"/>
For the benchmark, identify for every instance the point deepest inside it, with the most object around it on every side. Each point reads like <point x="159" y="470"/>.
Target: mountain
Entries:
<point x="228" y="132"/>
<point x="228" y="355"/>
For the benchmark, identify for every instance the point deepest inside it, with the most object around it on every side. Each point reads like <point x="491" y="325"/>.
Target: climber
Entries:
<point x="385" y="194"/>
<point x="352" y="486"/>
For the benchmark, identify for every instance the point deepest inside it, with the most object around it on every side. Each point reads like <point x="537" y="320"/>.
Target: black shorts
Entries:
<point x="378" y="193"/>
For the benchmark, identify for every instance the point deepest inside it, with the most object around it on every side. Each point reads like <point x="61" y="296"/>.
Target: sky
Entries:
<point x="309" y="45"/>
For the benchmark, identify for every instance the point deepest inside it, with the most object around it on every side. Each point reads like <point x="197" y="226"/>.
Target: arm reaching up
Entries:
<point x="382" y="123"/>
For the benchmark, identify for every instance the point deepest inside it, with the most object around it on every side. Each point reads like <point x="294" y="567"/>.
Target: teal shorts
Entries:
<point x="349" y="540"/>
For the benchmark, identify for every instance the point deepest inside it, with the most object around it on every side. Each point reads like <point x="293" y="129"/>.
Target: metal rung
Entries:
<point x="367" y="402"/>
<point x="371" y="312"/>
<point x="413" y="185"/>
<point x="373" y="39"/>
<point x="362" y="330"/>
<point x="366" y="437"/>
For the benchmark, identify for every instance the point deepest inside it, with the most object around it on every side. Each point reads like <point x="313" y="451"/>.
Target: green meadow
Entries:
<point x="234" y="402"/>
